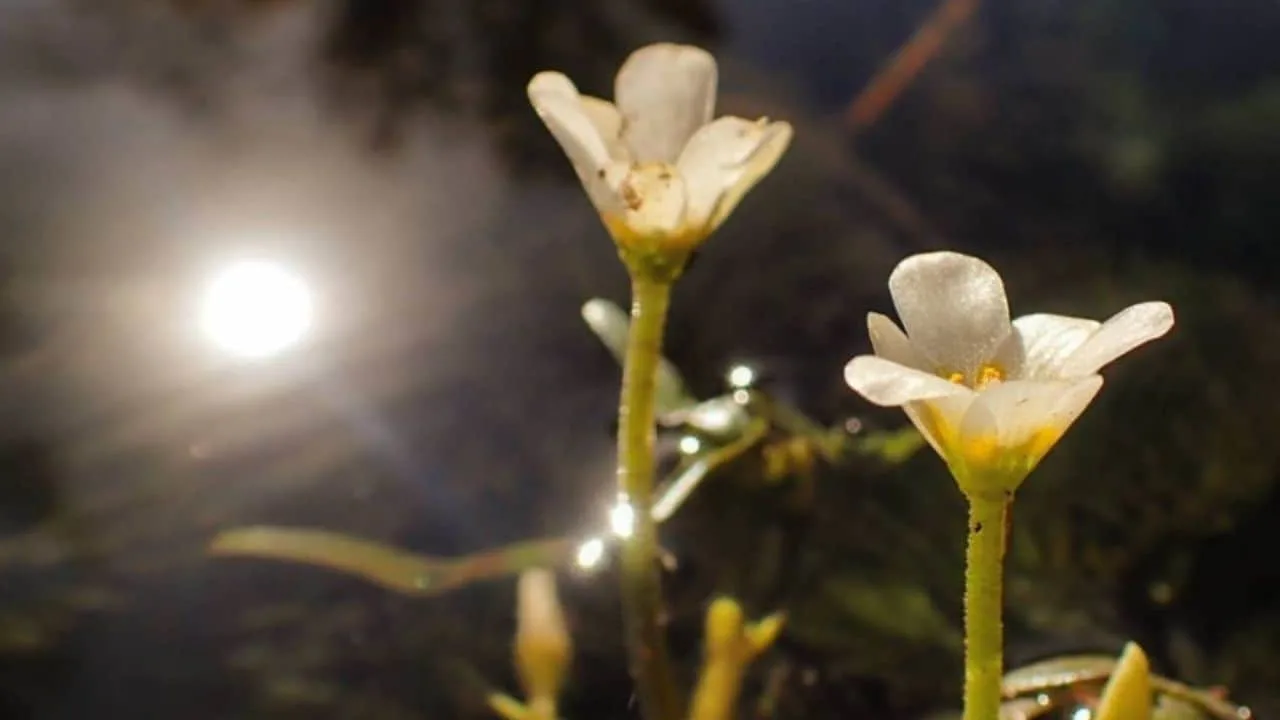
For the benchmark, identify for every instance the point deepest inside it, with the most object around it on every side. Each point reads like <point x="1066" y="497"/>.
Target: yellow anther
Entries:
<point x="989" y="372"/>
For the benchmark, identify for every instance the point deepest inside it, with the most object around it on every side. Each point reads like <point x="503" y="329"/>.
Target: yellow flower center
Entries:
<point x="987" y="461"/>
<point x="987" y="373"/>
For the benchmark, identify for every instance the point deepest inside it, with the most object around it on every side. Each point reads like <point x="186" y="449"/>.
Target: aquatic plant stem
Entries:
<point x="983" y="600"/>
<point x="641" y="585"/>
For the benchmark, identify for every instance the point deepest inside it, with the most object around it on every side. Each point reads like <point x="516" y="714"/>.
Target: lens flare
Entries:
<point x="255" y="309"/>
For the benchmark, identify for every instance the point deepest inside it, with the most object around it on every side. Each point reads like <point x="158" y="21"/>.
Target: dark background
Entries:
<point x="1097" y="152"/>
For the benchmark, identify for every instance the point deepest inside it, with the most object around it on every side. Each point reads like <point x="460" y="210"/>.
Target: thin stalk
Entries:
<point x="983" y="599"/>
<point x="641" y="585"/>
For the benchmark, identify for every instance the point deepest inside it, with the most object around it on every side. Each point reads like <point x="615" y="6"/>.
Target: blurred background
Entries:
<point x="448" y="399"/>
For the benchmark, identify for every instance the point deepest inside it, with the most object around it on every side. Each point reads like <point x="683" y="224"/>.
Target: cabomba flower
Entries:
<point x="990" y="395"/>
<point x="661" y="172"/>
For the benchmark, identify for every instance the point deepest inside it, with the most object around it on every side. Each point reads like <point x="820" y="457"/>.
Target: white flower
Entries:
<point x="659" y="170"/>
<point x="990" y="395"/>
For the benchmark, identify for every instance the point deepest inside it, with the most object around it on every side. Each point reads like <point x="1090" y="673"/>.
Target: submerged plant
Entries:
<point x="663" y="175"/>
<point x="1111" y="689"/>
<point x="992" y="397"/>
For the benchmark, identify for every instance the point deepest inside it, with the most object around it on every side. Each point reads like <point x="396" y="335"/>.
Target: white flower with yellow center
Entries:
<point x="990" y="395"/>
<point x="662" y="173"/>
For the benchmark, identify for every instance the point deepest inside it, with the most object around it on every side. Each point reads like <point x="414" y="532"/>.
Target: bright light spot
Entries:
<point x="714" y="416"/>
<point x="254" y="309"/>
<point x="741" y="396"/>
<point x="1082" y="713"/>
<point x="690" y="445"/>
<point x="741" y="376"/>
<point x="622" y="518"/>
<point x="590" y="553"/>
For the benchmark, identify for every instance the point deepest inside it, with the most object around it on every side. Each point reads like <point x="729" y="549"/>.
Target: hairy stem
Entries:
<point x="983" y="597"/>
<point x="641" y="585"/>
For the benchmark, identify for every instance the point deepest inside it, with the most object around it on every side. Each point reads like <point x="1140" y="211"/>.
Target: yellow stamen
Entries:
<point x="987" y="373"/>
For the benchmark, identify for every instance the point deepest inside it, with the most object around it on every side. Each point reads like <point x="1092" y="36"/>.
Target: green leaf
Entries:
<point x="380" y="564"/>
<point x="387" y="566"/>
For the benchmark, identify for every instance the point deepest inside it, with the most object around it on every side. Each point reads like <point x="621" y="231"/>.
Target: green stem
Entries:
<point x="641" y="584"/>
<point x="983" y="597"/>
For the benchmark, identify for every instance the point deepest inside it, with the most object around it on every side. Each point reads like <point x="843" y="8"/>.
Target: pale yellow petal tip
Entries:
<point x="890" y="384"/>
<point x="932" y="266"/>
<point x="1166" y="318"/>
<point x="1127" y="695"/>
<point x="783" y="132"/>
<point x="777" y="135"/>
<point x="861" y="374"/>
<point x="673" y="53"/>
<point x="777" y="139"/>
<point x="549" y="82"/>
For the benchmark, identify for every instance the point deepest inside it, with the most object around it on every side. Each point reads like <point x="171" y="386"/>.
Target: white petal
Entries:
<point x="1014" y="413"/>
<point x="576" y="125"/>
<point x="654" y="196"/>
<point x="890" y="343"/>
<point x="665" y="92"/>
<point x="938" y="420"/>
<point x="1126" y="330"/>
<point x="889" y="384"/>
<point x="724" y="160"/>
<point x="608" y="122"/>
<point x="953" y="308"/>
<point x="917" y="414"/>
<point x="1040" y="343"/>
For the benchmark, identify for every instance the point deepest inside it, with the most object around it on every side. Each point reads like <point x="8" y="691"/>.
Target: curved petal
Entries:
<point x="725" y="159"/>
<point x="918" y="415"/>
<point x="938" y="420"/>
<point x="654" y="196"/>
<point x="665" y="92"/>
<point x="1126" y="330"/>
<point x="889" y="342"/>
<point x="608" y="122"/>
<point x="577" y="127"/>
<point x="889" y="384"/>
<point x="953" y="307"/>
<point x="1026" y="418"/>
<point x="1043" y="343"/>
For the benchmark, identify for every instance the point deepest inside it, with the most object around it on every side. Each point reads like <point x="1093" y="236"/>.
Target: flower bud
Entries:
<point x="542" y="645"/>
